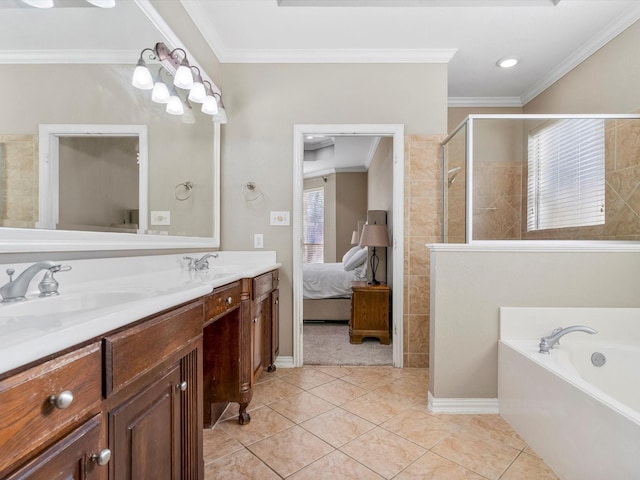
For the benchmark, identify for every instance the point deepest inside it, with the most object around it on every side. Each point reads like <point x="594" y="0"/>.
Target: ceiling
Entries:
<point x="550" y="37"/>
<point x="326" y="154"/>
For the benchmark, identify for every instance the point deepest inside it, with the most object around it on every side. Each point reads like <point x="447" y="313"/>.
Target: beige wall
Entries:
<point x="99" y="180"/>
<point x="471" y="286"/>
<point x="606" y="82"/>
<point x="351" y="207"/>
<point x="264" y="102"/>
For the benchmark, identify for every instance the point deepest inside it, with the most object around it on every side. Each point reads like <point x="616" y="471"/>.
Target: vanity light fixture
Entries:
<point x="174" y="105"/>
<point x="197" y="93"/>
<point x="209" y="104"/>
<point x="185" y="77"/>
<point x="103" y="3"/>
<point x="507" y="62"/>
<point x="39" y="3"/>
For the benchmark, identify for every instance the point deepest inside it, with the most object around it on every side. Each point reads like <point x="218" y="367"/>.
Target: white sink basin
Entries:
<point x="70" y="303"/>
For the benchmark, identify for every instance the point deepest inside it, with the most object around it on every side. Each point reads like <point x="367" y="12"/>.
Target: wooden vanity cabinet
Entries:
<point x="265" y="296"/>
<point x="153" y="391"/>
<point x="227" y="351"/>
<point x="45" y="413"/>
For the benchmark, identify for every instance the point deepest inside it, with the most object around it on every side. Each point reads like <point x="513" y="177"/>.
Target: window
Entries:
<point x="566" y="175"/>
<point x="313" y="225"/>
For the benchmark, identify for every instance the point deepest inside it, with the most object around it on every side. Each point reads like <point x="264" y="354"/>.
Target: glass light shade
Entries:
<point x="210" y="106"/>
<point x="39" y="3"/>
<point x="160" y="93"/>
<point x="183" y="78"/>
<point x="221" y="116"/>
<point x="174" y="106"/>
<point x="197" y="93"/>
<point x="103" y="3"/>
<point x="142" y="78"/>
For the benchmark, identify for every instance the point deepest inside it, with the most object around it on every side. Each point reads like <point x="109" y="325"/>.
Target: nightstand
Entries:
<point x="369" y="312"/>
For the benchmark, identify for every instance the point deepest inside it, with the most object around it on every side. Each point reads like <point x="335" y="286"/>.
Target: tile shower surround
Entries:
<point x="361" y="423"/>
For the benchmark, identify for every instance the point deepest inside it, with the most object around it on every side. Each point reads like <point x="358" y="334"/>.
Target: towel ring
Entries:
<point x="251" y="193"/>
<point x="183" y="191"/>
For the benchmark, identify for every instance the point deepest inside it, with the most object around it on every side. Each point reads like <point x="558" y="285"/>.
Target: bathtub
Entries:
<point x="583" y="420"/>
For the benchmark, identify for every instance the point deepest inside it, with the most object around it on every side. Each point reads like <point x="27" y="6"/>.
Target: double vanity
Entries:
<point x="115" y="377"/>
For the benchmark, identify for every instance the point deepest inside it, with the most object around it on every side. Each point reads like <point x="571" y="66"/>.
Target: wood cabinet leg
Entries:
<point x="243" y="416"/>
<point x="271" y="368"/>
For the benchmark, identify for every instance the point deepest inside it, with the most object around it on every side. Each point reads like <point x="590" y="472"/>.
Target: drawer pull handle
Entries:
<point x="62" y="400"/>
<point x="229" y="301"/>
<point x="182" y="386"/>
<point x="101" y="458"/>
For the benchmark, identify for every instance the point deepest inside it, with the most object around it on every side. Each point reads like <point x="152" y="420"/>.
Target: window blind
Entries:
<point x="313" y="225"/>
<point x="566" y="175"/>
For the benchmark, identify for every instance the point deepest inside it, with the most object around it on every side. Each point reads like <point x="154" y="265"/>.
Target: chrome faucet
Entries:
<point x="202" y="263"/>
<point x="547" y="343"/>
<point x="15" y="290"/>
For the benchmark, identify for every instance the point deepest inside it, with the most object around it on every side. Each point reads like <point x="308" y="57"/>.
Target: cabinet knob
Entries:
<point x="182" y="386"/>
<point x="277" y="301"/>
<point x="255" y="320"/>
<point x="62" y="400"/>
<point x="229" y="301"/>
<point x="101" y="458"/>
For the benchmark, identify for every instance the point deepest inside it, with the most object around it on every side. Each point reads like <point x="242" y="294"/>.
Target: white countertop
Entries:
<point x="101" y="295"/>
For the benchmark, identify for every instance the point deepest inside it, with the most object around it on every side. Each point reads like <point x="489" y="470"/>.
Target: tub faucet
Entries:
<point x="15" y="290"/>
<point x="547" y="343"/>
<point x="202" y="263"/>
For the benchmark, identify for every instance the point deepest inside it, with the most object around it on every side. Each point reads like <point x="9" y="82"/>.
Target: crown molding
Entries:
<point x="485" y="102"/>
<point x="400" y="55"/>
<point x="68" y="56"/>
<point x="417" y="3"/>
<point x="372" y="151"/>
<point x="607" y="34"/>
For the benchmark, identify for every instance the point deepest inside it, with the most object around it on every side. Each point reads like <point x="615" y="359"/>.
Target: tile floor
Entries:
<point x="361" y="423"/>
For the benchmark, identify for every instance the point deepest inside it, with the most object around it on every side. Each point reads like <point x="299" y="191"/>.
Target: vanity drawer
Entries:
<point x="222" y="299"/>
<point x="136" y="350"/>
<point x="262" y="284"/>
<point x="29" y="418"/>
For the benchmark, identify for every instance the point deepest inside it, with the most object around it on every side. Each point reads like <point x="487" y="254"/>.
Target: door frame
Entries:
<point x="388" y="130"/>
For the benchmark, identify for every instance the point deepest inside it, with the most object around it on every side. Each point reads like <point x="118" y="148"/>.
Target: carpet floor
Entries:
<point x="327" y="343"/>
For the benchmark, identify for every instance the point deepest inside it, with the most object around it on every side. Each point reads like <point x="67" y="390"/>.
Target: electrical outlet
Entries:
<point x="258" y="240"/>
<point x="160" y="218"/>
<point x="279" y="218"/>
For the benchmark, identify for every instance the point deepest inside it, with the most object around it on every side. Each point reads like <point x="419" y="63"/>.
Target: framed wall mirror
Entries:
<point x="72" y="65"/>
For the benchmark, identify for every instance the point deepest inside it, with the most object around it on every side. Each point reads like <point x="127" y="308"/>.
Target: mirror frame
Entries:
<point x="25" y="240"/>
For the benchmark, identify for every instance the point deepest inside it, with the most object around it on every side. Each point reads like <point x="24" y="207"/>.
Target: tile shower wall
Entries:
<point x="18" y="181"/>
<point x="423" y="224"/>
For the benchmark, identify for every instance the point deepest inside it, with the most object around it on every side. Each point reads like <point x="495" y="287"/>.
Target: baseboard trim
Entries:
<point x="463" y="405"/>
<point x="285" y="362"/>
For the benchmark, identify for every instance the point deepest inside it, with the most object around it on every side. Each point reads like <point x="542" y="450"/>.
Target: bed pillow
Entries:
<point x="356" y="260"/>
<point x="351" y="253"/>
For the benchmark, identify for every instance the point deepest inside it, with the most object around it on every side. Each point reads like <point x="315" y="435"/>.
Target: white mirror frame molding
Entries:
<point x="22" y="240"/>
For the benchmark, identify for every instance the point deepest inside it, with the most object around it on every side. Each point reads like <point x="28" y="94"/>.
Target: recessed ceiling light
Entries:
<point x="507" y="62"/>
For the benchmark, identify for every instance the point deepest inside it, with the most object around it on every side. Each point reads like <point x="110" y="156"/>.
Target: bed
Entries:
<point x="327" y="286"/>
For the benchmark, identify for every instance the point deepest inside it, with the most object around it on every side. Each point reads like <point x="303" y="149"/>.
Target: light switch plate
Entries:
<point x="160" y="217"/>
<point x="279" y="218"/>
<point x="258" y="240"/>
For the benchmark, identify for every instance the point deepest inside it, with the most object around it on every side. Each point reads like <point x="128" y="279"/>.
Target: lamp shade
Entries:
<point x="374" y="236"/>
<point x="354" y="238"/>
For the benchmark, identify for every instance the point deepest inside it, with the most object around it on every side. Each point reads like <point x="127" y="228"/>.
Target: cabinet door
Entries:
<point x="75" y="457"/>
<point x="145" y="432"/>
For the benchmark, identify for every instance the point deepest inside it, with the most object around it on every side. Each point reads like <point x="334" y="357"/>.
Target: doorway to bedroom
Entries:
<point x="348" y="180"/>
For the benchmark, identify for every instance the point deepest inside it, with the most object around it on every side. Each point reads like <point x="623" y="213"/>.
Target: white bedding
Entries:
<point x="329" y="280"/>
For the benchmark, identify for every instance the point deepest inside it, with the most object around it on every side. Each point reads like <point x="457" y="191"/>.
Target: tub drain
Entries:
<point x="598" y="359"/>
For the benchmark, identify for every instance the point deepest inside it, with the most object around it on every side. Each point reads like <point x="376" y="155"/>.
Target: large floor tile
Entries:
<point x="264" y="423"/>
<point x="373" y="408"/>
<point x="496" y="428"/>
<point x="432" y="466"/>
<point x="529" y="467"/>
<point x="336" y="466"/>
<point x="274" y="390"/>
<point x="338" y="392"/>
<point x="337" y="426"/>
<point x="301" y="407"/>
<point x="476" y="453"/>
<point x="290" y="450"/>
<point x="242" y="465"/>
<point x="218" y="443"/>
<point x="307" y="378"/>
<point x="383" y="452"/>
<point x="419" y="427"/>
